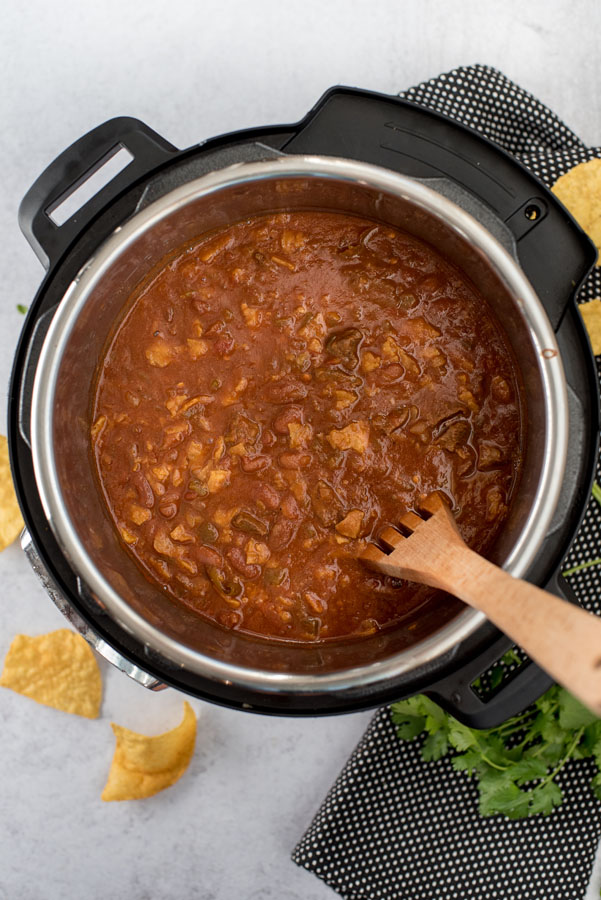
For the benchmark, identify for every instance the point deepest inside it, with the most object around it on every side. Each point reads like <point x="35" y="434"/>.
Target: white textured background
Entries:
<point x="192" y="70"/>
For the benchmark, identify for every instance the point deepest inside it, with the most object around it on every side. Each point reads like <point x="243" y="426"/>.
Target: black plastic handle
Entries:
<point x="553" y="250"/>
<point x="456" y="695"/>
<point x="73" y="167"/>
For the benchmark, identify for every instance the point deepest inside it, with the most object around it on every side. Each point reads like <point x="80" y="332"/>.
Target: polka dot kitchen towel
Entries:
<point x="393" y="826"/>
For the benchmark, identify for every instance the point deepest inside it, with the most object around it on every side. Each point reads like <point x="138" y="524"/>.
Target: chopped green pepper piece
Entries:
<point x="199" y="487"/>
<point x="274" y="575"/>
<point x="248" y="523"/>
<point x="208" y="532"/>
<point x="229" y="587"/>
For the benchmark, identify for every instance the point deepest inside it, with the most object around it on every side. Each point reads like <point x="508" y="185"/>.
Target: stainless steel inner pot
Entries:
<point x="73" y="349"/>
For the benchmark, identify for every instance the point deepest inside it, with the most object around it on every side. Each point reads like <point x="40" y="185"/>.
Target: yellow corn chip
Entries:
<point x="56" y="669"/>
<point x="11" y="521"/>
<point x="143" y="766"/>
<point x="591" y="313"/>
<point x="580" y="191"/>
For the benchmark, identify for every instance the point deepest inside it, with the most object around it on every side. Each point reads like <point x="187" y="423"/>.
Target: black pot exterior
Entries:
<point x="398" y="136"/>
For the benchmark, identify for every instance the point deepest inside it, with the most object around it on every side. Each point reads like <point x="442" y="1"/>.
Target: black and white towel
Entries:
<point x="394" y="827"/>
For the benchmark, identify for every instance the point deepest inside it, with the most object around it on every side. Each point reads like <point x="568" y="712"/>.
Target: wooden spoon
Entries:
<point x="562" y="638"/>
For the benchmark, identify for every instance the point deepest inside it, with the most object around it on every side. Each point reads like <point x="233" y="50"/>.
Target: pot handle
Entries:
<point x="457" y="696"/>
<point x="553" y="250"/>
<point x="73" y="168"/>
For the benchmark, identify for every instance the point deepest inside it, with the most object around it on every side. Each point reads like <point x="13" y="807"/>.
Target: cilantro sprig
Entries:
<point x="516" y="764"/>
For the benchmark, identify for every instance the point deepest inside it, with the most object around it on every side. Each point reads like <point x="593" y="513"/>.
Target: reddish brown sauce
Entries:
<point x="281" y="390"/>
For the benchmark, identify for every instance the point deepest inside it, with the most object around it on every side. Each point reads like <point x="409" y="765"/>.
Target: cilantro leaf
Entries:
<point x="572" y="714"/>
<point x="435" y="746"/>
<point x="409" y="726"/>
<point x="496" y="677"/>
<point x="596" y="752"/>
<point x="596" y="786"/>
<point x="460" y="736"/>
<point x="408" y="716"/>
<point x="516" y="765"/>
<point x="467" y="762"/>
<point x="510" y="656"/>
<point x="544" y="799"/>
<point x="528" y="769"/>
<point x="502" y="797"/>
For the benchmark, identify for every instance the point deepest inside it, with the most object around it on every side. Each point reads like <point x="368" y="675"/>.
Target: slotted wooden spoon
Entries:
<point x="562" y="638"/>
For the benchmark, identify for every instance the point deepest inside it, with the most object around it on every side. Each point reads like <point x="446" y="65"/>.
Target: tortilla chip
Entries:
<point x="57" y="669"/>
<point x="143" y="766"/>
<point x="580" y="191"/>
<point x="11" y="521"/>
<point x="591" y="314"/>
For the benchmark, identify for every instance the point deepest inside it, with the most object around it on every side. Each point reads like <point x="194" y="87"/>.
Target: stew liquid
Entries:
<point x="280" y="391"/>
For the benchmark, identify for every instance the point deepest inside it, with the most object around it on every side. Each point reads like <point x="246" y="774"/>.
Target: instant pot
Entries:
<point x="357" y="152"/>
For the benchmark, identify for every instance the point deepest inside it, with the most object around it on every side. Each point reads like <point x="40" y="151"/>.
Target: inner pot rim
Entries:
<point x="379" y="180"/>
